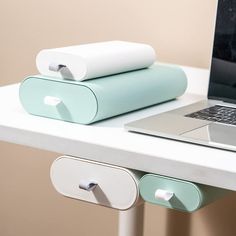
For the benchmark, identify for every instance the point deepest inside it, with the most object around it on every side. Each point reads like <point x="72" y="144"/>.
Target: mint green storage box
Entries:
<point x="187" y="196"/>
<point x="98" y="99"/>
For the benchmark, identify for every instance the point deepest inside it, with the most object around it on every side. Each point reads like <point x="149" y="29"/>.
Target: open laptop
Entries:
<point x="210" y="122"/>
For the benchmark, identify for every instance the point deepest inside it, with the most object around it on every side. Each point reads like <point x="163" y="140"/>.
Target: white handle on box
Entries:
<point x="163" y="194"/>
<point x="62" y="69"/>
<point x="52" y="101"/>
<point x="87" y="185"/>
<point x="55" y="67"/>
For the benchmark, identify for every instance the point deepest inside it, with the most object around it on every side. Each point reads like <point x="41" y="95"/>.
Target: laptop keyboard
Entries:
<point x="217" y="113"/>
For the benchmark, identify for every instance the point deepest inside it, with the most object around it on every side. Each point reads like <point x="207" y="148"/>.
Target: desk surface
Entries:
<point x="108" y="142"/>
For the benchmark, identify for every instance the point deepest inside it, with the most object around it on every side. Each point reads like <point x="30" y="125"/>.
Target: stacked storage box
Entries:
<point x="91" y="82"/>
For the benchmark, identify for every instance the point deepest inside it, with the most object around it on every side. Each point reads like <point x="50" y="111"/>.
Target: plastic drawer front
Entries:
<point x="177" y="194"/>
<point x="93" y="100"/>
<point x="95" y="182"/>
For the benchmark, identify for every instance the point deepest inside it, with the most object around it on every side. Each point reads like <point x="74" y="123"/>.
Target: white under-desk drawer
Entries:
<point x="95" y="182"/>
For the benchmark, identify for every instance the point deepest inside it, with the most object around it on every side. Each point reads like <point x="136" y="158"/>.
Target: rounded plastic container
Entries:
<point x="93" y="100"/>
<point x="177" y="194"/>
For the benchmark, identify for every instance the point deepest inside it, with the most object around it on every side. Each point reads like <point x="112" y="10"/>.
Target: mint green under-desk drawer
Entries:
<point x="187" y="196"/>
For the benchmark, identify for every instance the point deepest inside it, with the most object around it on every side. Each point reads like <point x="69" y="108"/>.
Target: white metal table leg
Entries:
<point x="131" y="221"/>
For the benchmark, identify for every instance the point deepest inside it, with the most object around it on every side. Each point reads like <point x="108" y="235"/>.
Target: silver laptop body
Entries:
<point x="210" y="122"/>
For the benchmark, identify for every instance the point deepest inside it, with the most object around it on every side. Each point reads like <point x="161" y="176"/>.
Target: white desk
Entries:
<point x="108" y="142"/>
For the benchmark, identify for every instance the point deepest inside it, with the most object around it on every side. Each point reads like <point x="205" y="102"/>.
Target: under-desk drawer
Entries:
<point x="95" y="182"/>
<point x="177" y="194"/>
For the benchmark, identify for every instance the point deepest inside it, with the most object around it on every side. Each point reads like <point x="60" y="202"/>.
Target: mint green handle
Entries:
<point x="93" y="100"/>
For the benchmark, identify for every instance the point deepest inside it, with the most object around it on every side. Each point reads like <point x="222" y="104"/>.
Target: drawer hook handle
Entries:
<point x="55" y="67"/>
<point x="163" y="194"/>
<point x="87" y="185"/>
<point x="62" y="69"/>
<point x="52" y="101"/>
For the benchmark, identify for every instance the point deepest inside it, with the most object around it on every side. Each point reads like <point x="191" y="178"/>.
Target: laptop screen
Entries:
<point x="222" y="84"/>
